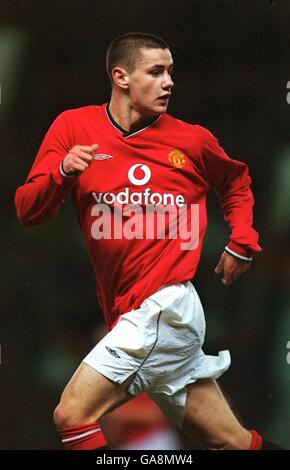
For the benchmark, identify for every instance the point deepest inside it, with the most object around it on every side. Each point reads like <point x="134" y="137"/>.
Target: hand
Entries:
<point x="231" y="268"/>
<point x="79" y="158"/>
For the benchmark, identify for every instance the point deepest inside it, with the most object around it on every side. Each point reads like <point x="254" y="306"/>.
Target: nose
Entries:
<point x="168" y="82"/>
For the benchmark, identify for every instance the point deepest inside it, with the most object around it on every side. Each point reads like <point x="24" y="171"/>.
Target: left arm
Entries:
<point x="231" y="181"/>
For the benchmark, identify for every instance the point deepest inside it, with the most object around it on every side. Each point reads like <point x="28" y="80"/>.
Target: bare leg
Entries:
<point x="88" y="396"/>
<point x="209" y="419"/>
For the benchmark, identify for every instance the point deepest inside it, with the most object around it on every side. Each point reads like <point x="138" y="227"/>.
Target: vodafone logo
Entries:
<point x="139" y="174"/>
<point x="139" y="181"/>
<point x="135" y="213"/>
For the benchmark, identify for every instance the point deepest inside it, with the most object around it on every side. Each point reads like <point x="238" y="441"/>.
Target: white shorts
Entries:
<point x="161" y="343"/>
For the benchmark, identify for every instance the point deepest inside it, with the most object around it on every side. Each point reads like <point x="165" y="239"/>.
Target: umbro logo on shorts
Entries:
<point x="113" y="352"/>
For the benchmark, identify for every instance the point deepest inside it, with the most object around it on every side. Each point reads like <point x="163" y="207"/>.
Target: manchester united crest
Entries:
<point x="177" y="158"/>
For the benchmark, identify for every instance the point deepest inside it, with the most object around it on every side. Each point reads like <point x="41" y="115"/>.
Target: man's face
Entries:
<point x="150" y="84"/>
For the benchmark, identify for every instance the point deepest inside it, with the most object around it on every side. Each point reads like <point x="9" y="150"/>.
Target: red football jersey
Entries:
<point x="168" y="163"/>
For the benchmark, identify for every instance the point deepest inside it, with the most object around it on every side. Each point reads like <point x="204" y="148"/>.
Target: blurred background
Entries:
<point x="231" y="74"/>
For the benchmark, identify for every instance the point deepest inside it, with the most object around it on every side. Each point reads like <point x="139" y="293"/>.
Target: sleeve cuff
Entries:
<point x="63" y="173"/>
<point x="237" y="255"/>
<point x="60" y="178"/>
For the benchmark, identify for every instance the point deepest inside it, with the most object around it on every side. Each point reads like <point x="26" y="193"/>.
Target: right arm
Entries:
<point x="47" y="186"/>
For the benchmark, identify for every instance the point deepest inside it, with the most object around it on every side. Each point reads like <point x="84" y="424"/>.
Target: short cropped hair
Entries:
<point x="125" y="49"/>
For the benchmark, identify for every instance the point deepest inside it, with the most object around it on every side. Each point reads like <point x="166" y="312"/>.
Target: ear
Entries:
<point x="120" y="77"/>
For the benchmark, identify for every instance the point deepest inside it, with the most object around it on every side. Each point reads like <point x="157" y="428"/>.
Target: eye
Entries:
<point x="155" y="73"/>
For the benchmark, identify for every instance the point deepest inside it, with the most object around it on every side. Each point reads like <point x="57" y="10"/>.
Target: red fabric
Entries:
<point x="239" y="249"/>
<point x="256" y="442"/>
<point x="135" y="420"/>
<point x="85" y="437"/>
<point x="129" y="270"/>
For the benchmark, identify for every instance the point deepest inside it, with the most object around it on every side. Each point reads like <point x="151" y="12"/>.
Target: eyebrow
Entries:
<point x="161" y="66"/>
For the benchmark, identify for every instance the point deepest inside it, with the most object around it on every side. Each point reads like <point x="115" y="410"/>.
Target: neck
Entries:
<point x="124" y="113"/>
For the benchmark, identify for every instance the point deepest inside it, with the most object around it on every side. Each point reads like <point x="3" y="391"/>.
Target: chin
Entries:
<point x="159" y="109"/>
<point x="154" y="110"/>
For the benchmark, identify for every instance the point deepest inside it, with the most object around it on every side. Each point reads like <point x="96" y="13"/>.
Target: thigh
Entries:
<point x="208" y="417"/>
<point x="90" y="393"/>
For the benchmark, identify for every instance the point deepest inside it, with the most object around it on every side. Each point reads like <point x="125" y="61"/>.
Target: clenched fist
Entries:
<point x="79" y="159"/>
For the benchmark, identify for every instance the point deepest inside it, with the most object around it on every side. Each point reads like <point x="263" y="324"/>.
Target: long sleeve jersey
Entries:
<point x="141" y="205"/>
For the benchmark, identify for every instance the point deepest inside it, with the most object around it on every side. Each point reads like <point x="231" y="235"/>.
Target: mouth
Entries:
<point x="164" y="97"/>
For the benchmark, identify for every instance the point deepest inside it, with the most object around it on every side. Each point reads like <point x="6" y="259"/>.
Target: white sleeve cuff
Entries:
<point x="63" y="173"/>
<point x="244" y="258"/>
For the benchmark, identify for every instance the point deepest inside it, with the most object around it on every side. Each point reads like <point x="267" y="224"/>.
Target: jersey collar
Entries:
<point x="125" y="133"/>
